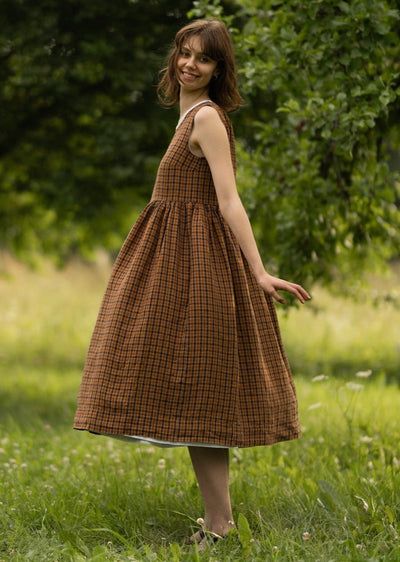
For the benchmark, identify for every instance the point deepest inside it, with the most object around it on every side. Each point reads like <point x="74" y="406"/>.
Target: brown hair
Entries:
<point x="217" y="44"/>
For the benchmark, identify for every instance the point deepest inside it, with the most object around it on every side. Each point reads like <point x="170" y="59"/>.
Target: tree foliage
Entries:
<point x="81" y="129"/>
<point x="321" y="80"/>
<point x="82" y="132"/>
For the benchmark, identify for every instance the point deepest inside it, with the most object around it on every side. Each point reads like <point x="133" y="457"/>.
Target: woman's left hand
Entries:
<point x="271" y="285"/>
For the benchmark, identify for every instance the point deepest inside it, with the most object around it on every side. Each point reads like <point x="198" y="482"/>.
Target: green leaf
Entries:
<point x="245" y="535"/>
<point x="176" y="552"/>
<point x="390" y="514"/>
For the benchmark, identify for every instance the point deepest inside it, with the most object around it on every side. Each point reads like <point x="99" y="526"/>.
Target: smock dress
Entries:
<point x="186" y="349"/>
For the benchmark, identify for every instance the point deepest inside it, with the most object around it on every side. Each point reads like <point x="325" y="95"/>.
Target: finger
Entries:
<point x="302" y="291"/>
<point x="299" y="296"/>
<point x="278" y="297"/>
<point x="299" y="292"/>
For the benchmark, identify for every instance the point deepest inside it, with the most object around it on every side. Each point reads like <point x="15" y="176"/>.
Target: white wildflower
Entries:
<point x="314" y="406"/>
<point x="366" y="439"/>
<point x="364" y="374"/>
<point x="354" y="386"/>
<point x="320" y="378"/>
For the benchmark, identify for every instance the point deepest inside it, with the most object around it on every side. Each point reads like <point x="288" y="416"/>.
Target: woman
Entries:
<point x="186" y="350"/>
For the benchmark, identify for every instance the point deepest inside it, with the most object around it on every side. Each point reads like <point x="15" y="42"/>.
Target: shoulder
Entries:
<point x="211" y="116"/>
<point x="206" y="113"/>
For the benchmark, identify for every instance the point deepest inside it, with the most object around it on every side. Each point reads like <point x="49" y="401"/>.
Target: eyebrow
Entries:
<point x="189" y="48"/>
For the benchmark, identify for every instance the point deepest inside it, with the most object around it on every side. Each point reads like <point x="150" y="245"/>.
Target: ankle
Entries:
<point x="220" y="526"/>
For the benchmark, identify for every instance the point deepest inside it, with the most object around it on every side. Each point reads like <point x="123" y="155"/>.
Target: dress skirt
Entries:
<point x="186" y="348"/>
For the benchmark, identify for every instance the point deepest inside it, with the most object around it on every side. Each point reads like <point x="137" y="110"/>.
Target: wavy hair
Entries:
<point x="216" y="43"/>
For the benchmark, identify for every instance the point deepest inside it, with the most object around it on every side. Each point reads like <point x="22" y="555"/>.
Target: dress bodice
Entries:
<point x="183" y="176"/>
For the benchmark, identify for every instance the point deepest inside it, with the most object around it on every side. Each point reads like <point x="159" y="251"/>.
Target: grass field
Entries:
<point x="67" y="496"/>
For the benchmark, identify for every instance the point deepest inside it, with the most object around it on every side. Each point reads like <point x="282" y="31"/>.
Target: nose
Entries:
<point x="191" y="62"/>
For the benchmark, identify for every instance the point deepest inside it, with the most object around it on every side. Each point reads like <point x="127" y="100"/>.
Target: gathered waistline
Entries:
<point x="184" y="202"/>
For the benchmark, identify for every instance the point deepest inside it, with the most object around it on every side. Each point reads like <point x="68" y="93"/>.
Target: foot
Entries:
<point x="209" y="539"/>
<point x="199" y="535"/>
<point x="204" y="535"/>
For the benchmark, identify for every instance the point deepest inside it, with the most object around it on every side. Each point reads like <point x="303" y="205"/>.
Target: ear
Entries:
<point x="217" y="71"/>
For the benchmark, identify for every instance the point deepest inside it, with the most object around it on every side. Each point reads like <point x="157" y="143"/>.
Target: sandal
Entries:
<point x="198" y="536"/>
<point x="206" y="538"/>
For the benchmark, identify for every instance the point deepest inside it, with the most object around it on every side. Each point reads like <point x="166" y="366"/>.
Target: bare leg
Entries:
<point x="211" y="466"/>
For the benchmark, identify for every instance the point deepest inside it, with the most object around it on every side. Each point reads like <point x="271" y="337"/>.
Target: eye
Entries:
<point x="185" y="54"/>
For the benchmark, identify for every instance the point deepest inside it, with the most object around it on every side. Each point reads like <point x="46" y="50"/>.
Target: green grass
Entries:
<point x="66" y="496"/>
<point x="339" y="337"/>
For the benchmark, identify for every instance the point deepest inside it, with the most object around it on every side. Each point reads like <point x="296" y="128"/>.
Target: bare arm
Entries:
<point x="210" y="136"/>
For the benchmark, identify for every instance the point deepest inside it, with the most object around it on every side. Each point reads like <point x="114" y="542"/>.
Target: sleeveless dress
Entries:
<point x="186" y="348"/>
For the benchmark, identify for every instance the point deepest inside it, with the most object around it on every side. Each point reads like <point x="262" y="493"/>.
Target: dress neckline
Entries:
<point x="188" y="110"/>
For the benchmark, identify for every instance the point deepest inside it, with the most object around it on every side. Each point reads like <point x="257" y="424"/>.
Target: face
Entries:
<point x="195" y="68"/>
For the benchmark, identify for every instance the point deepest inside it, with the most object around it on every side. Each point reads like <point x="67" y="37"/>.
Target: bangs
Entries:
<point x="208" y="42"/>
<point x="216" y="44"/>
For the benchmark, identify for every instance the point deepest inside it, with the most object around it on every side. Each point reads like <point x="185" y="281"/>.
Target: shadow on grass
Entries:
<point x="27" y="411"/>
<point x="48" y="359"/>
<point x="38" y="396"/>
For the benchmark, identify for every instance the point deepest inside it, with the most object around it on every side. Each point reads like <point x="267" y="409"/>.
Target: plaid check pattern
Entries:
<point x="187" y="347"/>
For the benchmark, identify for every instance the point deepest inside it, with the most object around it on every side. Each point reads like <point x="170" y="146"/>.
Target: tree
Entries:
<point x="321" y="81"/>
<point x="81" y="129"/>
<point x="82" y="132"/>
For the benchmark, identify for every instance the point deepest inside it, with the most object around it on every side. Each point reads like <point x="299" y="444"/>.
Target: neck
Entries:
<point x="189" y="99"/>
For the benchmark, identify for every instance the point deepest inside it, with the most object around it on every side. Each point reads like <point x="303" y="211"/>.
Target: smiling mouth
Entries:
<point x="188" y="75"/>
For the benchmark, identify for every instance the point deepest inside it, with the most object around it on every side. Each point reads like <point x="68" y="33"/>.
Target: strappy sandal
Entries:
<point x="205" y="538"/>
<point x="198" y="536"/>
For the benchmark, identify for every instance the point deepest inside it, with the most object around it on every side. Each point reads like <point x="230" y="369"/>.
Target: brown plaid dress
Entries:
<point x="187" y="347"/>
